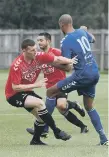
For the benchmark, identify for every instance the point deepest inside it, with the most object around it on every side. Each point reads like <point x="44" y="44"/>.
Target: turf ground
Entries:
<point x="14" y="140"/>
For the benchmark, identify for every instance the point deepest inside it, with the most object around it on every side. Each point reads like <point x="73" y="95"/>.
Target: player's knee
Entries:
<point x="88" y="103"/>
<point x="88" y="107"/>
<point x="49" y="92"/>
<point x="41" y="105"/>
<point x="61" y="106"/>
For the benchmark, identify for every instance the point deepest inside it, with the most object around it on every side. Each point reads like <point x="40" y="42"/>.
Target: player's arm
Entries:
<point x="25" y="87"/>
<point x="18" y="86"/>
<point x="64" y="67"/>
<point x="62" y="60"/>
<point x="91" y="37"/>
<point x="49" y="59"/>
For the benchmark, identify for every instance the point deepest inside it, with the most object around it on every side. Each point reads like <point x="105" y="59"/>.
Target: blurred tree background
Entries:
<point x="44" y="14"/>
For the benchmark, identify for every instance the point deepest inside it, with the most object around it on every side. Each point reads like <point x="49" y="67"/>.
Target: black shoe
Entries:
<point x="62" y="135"/>
<point x="106" y="143"/>
<point x="84" y="129"/>
<point x="75" y="105"/>
<point x="37" y="143"/>
<point x="30" y="131"/>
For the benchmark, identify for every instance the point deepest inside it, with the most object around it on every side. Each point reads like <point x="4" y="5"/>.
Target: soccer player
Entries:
<point x="21" y="82"/>
<point x="54" y="75"/>
<point x="85" y="75"/>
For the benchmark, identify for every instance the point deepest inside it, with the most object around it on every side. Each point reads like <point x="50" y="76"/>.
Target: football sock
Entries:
<point x="73" y="119"/>
<point x="50" y="104"/>
<point x="38" y="129"/>
<point x="47" y="118"/>
<point x="73" y="104"/>
<point x="95" y="119"/>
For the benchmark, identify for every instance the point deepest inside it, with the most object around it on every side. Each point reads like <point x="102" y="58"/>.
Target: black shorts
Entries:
<point x="62" y="95"/>
<point x="18" y="99"/>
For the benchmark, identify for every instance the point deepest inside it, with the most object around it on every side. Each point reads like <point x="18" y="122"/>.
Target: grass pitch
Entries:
<point x="14" y="140"/>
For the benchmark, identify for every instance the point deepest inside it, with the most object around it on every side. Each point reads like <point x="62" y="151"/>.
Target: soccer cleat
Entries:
<point x="62" y="135"/>
<point x="37" y="143"/>
<point x="106" y="143"/>
<point x="84" y="129"/>
<point x="76" y="106"/>
<point x="30" y="131"/>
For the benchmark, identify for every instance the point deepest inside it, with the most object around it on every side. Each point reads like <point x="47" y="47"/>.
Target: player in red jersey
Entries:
<point x="54" y="75"/>
<point x="21" y="82"/>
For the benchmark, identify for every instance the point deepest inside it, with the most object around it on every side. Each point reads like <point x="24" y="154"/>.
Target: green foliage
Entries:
<point x="42" y="14"/>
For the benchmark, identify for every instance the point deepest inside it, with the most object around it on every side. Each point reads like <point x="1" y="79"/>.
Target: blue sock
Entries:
<point x="95" y="119"/>
<point x="50" y="105"/>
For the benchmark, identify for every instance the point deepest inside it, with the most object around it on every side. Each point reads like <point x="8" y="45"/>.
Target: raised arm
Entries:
<point x="90" y="35"/>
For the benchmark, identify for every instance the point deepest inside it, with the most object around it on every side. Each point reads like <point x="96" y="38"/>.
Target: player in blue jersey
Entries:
<point x="85" y="74"/>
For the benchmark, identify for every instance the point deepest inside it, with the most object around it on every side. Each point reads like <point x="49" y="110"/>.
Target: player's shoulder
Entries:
<point x="80" y="31"/>
<point x="56" y="51"/>
<point x="17" y="63"/>
<point x="39" y="53"/>
<point x="64" y="40"/>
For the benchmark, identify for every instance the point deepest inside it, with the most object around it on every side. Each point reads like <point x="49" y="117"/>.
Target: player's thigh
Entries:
<point x="88" y="96"/>
<point x="32" y="102"/>
<point x="53" y="91"/>
<point x="87" y="91"/>
<point x="68" y="84"/>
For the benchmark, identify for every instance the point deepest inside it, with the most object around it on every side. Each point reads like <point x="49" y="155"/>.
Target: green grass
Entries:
<point x="14" y="140"/>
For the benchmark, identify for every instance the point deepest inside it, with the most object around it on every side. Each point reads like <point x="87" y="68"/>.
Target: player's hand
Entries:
<point x="74" y="60"/>
<point x="41" y="83"/>
<point x="83" y="27"/>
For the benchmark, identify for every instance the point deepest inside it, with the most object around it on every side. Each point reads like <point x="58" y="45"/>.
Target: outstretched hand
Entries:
<point x="83" y="27"/>
<point x="41" y="83"/>
<point x="74" y="60"/>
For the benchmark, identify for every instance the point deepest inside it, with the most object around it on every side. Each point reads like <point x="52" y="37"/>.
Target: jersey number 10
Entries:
<point x="84" y="43"/>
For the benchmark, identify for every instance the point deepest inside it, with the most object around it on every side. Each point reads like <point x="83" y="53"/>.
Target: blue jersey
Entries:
<point x="77" y="44"/>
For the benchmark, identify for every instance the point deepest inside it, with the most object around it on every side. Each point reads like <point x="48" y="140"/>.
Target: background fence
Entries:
<point x="10" y="41"/>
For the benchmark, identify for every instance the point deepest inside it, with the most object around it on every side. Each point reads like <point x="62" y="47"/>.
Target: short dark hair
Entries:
<point x="46" y="35"/>
<point x="27" y="42"/>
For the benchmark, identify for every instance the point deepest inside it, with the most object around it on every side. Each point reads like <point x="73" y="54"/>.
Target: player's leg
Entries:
<point x="64" y="86"/>
<point x="76" y="106"/>
<point x="67" y="85"/>
<point x="72" y="118"/>
<point x="88" y="98"/>
<point x="50" y="105"/>
<point x="32" y="101"/>
<point x="29" y="102"/>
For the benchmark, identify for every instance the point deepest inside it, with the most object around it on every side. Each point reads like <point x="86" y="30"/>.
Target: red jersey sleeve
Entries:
<point x="45" y="58"/>
<point x="56" y="52"/>
<point x="15" y="75"/>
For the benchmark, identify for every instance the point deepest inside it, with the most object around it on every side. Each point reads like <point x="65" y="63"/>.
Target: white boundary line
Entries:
<point x="22" y="114"/>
